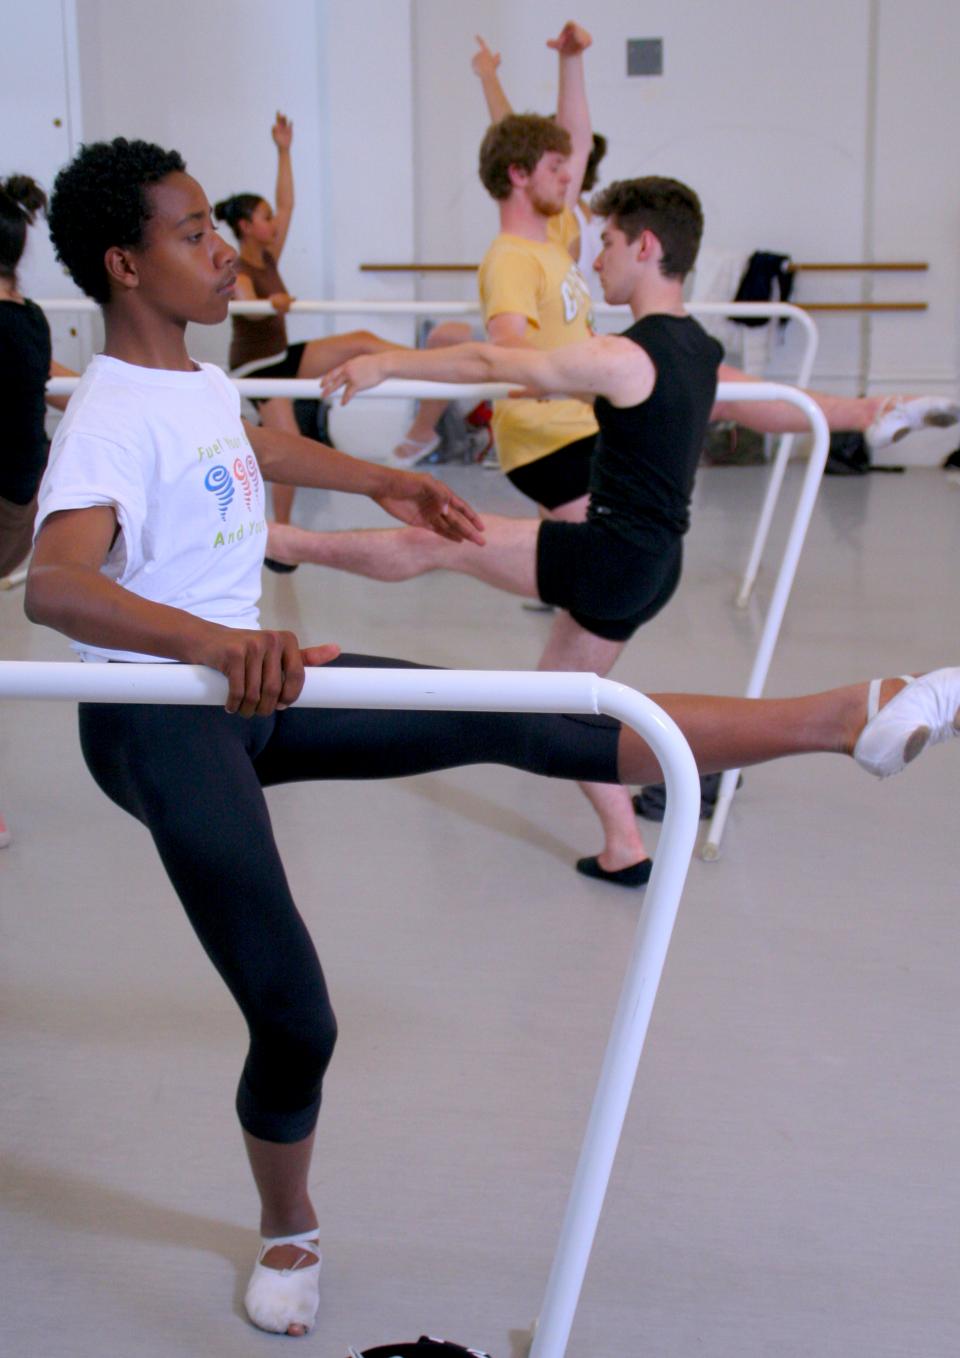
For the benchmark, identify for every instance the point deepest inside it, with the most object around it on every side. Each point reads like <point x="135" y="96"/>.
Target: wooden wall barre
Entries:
<point x="908" y="266"/>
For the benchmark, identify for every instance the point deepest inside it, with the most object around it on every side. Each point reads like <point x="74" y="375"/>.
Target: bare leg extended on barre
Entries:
<point x="732" y="733"/>
<point x="883" y="419"/>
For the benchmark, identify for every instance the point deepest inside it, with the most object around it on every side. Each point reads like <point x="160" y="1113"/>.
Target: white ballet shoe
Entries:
<point x="901" y="415"/>
<point x="924" y="713"/>
<point x="410" y="452"/>
<point x="277" y="1298"/>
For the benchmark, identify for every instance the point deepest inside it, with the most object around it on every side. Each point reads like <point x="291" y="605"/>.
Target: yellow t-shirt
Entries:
<point x="538" y="280"/>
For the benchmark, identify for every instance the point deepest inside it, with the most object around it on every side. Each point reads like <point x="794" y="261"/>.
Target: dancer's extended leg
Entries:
<point x="882" y="419"/>
<point x="320" y="355"/>
<point x="732" y="733"/>
<point x="508" y="560"/>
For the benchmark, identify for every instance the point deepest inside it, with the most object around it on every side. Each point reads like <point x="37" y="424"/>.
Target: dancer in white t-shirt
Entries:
<point x="148" y="545"/>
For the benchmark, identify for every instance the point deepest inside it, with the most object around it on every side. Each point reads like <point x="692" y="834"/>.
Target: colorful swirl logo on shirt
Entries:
<point x="240" y="474"/>
<point x="254" y="471"/>
<point x="220" y="482"/>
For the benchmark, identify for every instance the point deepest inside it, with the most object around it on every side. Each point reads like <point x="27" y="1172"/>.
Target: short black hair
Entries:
<point x="99" y="201"/>
<point x="21" y="198"/>
<point x="597" y="152"/>
<point x="239" y="208"/>
<point x="666" y="207"/>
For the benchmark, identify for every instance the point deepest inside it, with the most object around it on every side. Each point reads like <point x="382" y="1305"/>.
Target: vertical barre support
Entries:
<point x="781" y="592"/>
<point x="14" y="579"/>
<point x="630" y="1024"/>
<point x="454" y="690"/>
<point x="778" y="470"/>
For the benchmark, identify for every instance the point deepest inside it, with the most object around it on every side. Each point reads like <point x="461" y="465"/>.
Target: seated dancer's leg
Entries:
<point x="278" y="414"/>
<point x="507" y="561"/>
<point x="881" y="419"/>
<point x="422" y="438"/>
<point x="320" y="355"/>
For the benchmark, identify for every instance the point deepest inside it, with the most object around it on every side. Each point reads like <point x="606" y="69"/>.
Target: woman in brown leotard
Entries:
<point x="258" y="344"/>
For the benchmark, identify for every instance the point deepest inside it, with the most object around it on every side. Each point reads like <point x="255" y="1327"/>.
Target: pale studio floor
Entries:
<point x="787" y="1181"/>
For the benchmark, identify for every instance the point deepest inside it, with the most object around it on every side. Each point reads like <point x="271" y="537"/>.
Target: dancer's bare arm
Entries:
<point x="66" y="590"/>
<point x="412" y="497"/>
<point x="282" y="133"/>
<point x="573" y="112"/>
<point x="606" y="365"/>
<point x="485" y="65"/>
<point x="244" y="291"/>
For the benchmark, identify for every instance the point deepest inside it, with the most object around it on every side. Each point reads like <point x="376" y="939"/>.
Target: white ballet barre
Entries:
<point x="308" y="388"/>
<point x="14" y="579"/>
<point x="758" y="310"/>
<point x="741" y="391"/>
<point x="770" y="391"/>
<point x="497" y="691"/>
<point x="726" y="391"/>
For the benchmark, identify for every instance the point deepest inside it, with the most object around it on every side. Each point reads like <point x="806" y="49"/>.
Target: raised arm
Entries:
<point x="606" y="365"/>
<point x="282" y="133"/>
<point x="485" y="65"/>
<point x="573" y="112"/>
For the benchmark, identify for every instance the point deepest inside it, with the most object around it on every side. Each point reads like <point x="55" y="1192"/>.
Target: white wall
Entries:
<point x="39" y="113"/>
<point x="207" y="79"/>
<point x="767" y="109"/>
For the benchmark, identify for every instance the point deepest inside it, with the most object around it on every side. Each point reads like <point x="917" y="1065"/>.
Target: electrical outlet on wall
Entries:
<point x="644" y="56"/>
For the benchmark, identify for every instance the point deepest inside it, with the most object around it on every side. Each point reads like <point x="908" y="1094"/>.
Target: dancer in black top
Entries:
<point x="615" y="571"/>
<point x="25" y="365"/>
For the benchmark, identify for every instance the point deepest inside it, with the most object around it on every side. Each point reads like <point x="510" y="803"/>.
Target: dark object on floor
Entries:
<point x="424" y="1347"/>
<point x="312" y="420"/>
<point x="637" y="874"/>
<point x="728" y="444"/>
<point x="651" y="801"/>
<point x="952" y="461"/>
<point x="849" y="455"/>
<point x="465" y="436"/>
<point x="278" y="567"/>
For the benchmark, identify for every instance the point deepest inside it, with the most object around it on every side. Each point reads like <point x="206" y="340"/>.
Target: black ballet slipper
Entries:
<point x="279" y="567"/>
<point x="637" y="874"/>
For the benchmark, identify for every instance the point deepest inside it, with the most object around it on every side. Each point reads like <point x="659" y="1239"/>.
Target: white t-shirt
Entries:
<point x="591" y="229"/>
<point x="167" y="450"/>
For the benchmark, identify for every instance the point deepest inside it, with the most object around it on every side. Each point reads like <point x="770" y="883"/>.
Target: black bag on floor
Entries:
<point x="311" y="418"/>
<point x="651" y="801"/>
<point x="848" y="455"/>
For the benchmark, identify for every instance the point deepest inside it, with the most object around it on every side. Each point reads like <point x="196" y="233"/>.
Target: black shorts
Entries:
<point x="559" y="477"/>
<point x="608" y="585"/>
<point x="287" y="365"/>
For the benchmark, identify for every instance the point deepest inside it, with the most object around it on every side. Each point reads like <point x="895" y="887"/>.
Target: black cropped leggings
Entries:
<point x="194" y="777"/>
